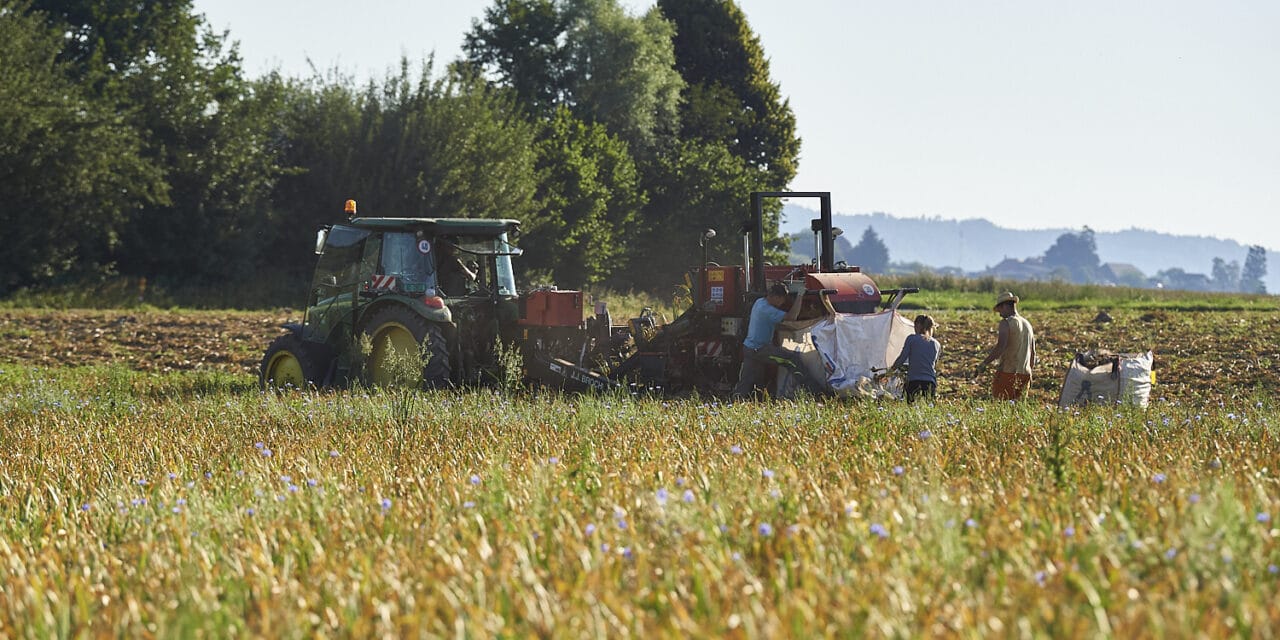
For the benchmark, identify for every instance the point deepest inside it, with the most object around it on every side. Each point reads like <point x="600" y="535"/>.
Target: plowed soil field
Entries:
<point x="1197" y="354"/>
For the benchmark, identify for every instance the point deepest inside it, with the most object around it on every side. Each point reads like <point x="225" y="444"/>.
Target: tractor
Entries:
<point x="441" y="290"/>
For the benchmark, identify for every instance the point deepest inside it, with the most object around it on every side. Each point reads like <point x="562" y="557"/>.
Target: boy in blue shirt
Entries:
<point x="920" y="354"/>
<point x="758" y="346"/>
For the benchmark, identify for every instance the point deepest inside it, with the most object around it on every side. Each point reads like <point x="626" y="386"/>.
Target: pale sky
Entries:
<point x="1032" y="114"/>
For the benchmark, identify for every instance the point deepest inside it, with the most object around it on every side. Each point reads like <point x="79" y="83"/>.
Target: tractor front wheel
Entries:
<point x="288" y="365"/>
<point x="400" y="339"/>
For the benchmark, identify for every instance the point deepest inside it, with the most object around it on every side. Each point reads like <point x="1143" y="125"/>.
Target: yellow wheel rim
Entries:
<point x="284" y="370"/>
<point x="391" y="342"/>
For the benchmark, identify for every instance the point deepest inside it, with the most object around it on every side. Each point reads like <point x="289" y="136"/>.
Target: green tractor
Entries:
<point x="435" y="291"/>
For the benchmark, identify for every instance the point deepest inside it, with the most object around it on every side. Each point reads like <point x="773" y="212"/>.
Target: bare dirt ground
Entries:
<point x="1197" y="354"/>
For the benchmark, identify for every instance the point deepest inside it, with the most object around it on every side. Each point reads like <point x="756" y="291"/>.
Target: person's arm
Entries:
<point x="794" y="311"/>
<point x="1033" y="350"/>
<point x="902" y="357"/>
<point x="1002" y="342"/>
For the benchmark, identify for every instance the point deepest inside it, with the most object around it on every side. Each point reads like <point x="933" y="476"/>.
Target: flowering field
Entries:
<point x="183" y="504"/>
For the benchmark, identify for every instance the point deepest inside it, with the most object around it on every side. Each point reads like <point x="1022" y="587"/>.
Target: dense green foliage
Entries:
<point x="135" y="145"/>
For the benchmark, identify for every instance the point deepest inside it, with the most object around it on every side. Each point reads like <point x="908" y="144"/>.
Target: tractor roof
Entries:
<point x="472" y="226"/>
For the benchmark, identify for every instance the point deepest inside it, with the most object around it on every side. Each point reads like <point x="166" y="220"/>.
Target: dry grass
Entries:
<point x="189" y="505"/>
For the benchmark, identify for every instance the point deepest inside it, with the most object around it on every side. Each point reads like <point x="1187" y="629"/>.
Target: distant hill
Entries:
<point x="977" y="244"/>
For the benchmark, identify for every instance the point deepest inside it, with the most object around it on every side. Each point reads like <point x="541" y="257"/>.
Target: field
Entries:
<point x="148" y="489"/>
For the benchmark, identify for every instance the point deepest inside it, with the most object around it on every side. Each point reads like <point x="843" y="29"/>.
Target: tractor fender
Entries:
<point x="293" y="327"/>
<point x="441" y="316"/>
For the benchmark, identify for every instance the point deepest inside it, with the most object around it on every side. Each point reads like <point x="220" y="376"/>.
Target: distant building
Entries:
<point x="1014" y="269"/>
<point x="1125" y="275"/>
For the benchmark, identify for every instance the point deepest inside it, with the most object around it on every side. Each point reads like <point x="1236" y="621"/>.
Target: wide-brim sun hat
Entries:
<point x="1007" y="296"/>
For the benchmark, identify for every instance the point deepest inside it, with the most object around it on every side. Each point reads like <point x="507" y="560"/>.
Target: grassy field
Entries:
<point x="148" y="489"/>
<point x="188" y="504"/>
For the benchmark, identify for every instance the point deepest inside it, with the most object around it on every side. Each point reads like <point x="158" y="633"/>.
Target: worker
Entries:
<point x="759" y="351"/>
<point x="452" y="275"/>
<point x="919" y="356"/>
<point x="1015" y="351"/>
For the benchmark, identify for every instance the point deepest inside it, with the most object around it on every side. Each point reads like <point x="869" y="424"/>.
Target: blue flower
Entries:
<point x="768" y="473"/>
<point x="470" y="505"/>
<point x="1158" y="478"/>
<point x="1069" y="532"/>
<point x="971" y="523"/>
<point x="688" y="495"/>
<point x="208" y="475"/>
<point x="266" y="453"/>
<point x="475" y="479"/>
<point x="765" y="529"/>
<point x="626" y="552"/>
<point x="312" y="482"/>
<point x="662" y="496"/>
<point x="925" y="435"/>
<point x="333" y="454"/>
<point x="85" y="507"/>
<point x="1194" y="498"/>
<point x="386" y="503"/>
<point x="898" y="470"/>
<point x="250" y="511"/>
<point x="879" y="530"/>
<point x="258" y="445"/>
<point x="553" y="460"/>
<point x="1171" y="554"/>
<point x="1263" y="517"/>
<point x="590" y="529"/>
<point x="173" y="476"/>
<point x="1040" y="577"/>
<point x="735" y="450"/>
<point x="1273" y="569"/>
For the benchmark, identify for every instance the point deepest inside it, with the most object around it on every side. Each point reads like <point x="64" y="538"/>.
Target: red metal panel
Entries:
<point x="849" y="286"/>
<point x="546" y="308"/>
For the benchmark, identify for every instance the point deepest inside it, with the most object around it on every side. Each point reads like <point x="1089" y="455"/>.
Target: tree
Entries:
<point x="69" y="165"/>
<point x="729" y="96"/>
<point x="1226" y="275"/>
<point x="608" y="67"/>
<point x="1077" y="253"/>
<point x="180" y="87"/>
<point x="622" y="71"/>
<point x="1255" y="271"/>
<point x="588" y="202"/>
<point x="870" y="253"/>
<point x="692" y="187"/>
<point x="519" y="44"/>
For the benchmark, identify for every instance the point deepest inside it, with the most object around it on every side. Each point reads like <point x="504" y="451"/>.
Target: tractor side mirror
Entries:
<point x="321" y="236"/>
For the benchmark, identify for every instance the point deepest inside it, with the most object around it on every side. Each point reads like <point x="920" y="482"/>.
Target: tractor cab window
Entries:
<point x="480" y="263"/>
<point x="406" y="258"/>
<point x="339" y="273"/>
<point x="339" y="268"/>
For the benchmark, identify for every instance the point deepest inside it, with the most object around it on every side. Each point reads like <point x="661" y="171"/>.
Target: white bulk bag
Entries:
<point x="1126" y="379"/>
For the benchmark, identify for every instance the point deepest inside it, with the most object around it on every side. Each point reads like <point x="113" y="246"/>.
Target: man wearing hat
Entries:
<point x="1015" y="351"/>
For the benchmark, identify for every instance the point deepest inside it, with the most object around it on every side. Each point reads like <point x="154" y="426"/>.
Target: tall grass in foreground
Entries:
<point x="183" y="505"/>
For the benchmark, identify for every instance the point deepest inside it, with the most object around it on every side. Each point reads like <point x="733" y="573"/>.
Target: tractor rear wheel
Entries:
<point x="288" y="364"/>
<point x="399" y="335"/>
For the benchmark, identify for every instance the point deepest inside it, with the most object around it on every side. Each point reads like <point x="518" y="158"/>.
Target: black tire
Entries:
<point x="391" y="327"/>
<point x="289" y="364"/>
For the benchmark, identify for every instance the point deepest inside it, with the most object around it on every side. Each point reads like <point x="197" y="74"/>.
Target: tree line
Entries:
<point x="132" y="142"/>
